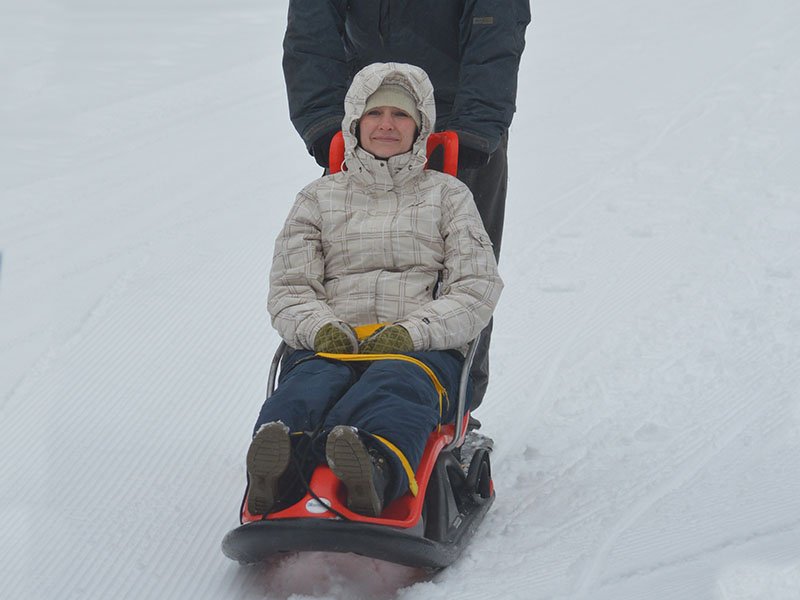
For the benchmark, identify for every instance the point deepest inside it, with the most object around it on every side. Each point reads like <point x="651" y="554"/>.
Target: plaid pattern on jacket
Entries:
<point x="385" y="241"/>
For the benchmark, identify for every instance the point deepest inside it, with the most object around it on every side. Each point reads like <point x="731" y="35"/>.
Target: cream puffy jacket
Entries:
<point x="385" y="241"/>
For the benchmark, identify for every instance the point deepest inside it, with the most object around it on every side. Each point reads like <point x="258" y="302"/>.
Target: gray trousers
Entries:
<point x="488" y="185"/>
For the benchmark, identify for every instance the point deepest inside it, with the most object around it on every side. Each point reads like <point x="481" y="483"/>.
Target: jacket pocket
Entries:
<point x="480" y="236"/>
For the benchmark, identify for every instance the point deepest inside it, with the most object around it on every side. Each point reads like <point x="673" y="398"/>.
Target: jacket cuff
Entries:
<point x="478" y="142"/>
<point x="320" y="128"/>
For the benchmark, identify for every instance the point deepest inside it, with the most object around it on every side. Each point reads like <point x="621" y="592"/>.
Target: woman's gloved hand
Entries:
<point x="336" y="337"/>
<point x="393" y="339"/>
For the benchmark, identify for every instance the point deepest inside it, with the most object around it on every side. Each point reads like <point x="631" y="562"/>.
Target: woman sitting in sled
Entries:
<point x="381" y="276"/>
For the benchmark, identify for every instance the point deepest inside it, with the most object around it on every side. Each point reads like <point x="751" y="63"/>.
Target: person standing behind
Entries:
<point x="471" y="50"/>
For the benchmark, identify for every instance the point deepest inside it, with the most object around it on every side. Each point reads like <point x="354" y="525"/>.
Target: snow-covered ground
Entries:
<point x="646" y="393"/>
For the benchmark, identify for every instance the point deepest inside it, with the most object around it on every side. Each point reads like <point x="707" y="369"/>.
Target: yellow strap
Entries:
<point x="364" y="331"/>
<point x="371" y="357"/>
<point x="412" y="481"/>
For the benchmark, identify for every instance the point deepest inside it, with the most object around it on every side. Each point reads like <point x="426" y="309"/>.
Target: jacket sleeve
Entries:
<point x="297" y="299"/>
<point x="315" y="66"/>
<point x="492" y="38"/>
<point x="471" y="284"/>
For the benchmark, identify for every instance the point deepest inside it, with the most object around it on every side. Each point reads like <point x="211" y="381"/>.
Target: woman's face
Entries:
<point x="386" y="131"/>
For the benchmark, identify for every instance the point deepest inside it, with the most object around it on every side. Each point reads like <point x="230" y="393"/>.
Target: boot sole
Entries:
<point x="267" y="459"/>
<point x="350" y="461"/>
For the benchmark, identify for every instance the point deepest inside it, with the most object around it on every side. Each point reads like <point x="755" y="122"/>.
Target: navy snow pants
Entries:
<point x="394" y="399"/>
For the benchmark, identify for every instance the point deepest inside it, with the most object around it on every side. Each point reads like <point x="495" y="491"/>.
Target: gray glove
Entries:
<point x="336" y="338"/>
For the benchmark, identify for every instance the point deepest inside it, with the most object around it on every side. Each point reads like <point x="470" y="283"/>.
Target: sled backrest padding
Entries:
<point x="448" y="140"/>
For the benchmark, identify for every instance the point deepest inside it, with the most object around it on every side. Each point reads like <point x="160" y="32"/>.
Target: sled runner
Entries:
<point x="429" y="529"/>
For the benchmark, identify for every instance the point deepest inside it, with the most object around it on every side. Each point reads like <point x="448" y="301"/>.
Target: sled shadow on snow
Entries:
<point x="323" y="574"/>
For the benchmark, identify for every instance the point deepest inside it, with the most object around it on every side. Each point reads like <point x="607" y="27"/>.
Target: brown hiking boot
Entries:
<point x="267" y="459"/>
<point x="363" y="472"/>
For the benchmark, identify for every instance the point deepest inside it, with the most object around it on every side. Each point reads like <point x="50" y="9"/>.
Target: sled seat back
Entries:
<point x="447" y="140"/>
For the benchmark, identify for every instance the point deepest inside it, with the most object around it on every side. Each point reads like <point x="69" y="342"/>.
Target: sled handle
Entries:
<point x="461" y="409"/>
<point x="448" y="140"/>
<point x="273" y="368"/>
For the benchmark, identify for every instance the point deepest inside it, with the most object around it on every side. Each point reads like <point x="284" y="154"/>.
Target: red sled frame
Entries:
<point x="448" y="140"/>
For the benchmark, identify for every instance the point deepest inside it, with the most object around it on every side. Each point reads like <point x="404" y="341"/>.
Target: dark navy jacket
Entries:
<point x="470" y="49"/>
